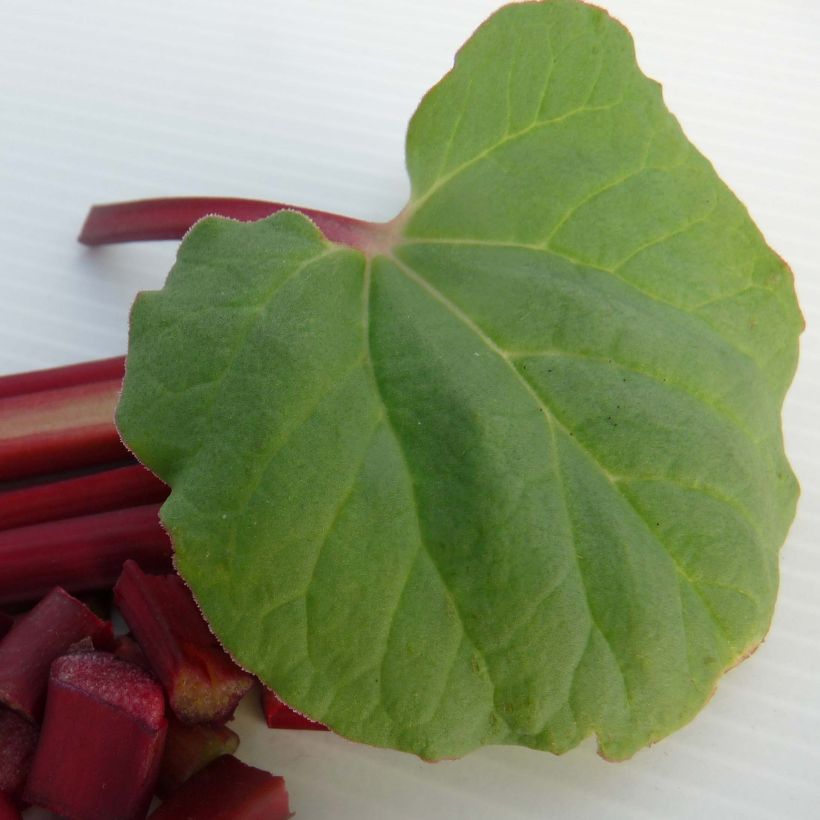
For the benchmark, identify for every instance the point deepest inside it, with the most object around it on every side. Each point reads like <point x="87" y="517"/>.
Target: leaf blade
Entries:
<point x="517" y="478"/>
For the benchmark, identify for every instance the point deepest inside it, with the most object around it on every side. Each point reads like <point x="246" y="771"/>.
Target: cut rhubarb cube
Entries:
<point x="101" y="742"/>
<point x="188" y="749"/>
<point x="18" y="737"/>
<point x="100" y="602"/>
<point x="36" y="639"/>
<point x="8" y="811"/>
<point x="278" y="715"/>
<point x="228" y="789"/>
<point x="85" y="645"/>
<point x="127" y="649"/>
<point x="203" y="683"/>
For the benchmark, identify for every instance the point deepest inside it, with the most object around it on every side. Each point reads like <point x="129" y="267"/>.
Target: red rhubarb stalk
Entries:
<point x="171" y="218"/>
<point x="203" y="683"/>
<point x="35" y="640"/>
<point x="54" y="378"/>
<point x="63" y="428"/>
<point x="99" y="601"/>
<point x="8" y="811"/>
<point x="278" y="715"/>
<point x="83" y="553"/>
<point x="6" y="622"/>
<point x="189" y="749"/>
<point x="101" y="742"/>
<point x="105" y="490"/>
<point x="18" y="737"/>
<point x="228" y="789"/>
<point x="127" y="649"/>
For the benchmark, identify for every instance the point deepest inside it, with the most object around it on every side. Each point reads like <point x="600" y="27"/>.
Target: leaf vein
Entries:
<point x="550" y="414"/>
<point x="719" y="410"/>
<point x="570" y="524"/>
<point x="421" y="542"/>
<point x="705" y="217"/>
<point x="325" y="539"/>
<point x="414" y="206"/>
<point x="493" y="243"/>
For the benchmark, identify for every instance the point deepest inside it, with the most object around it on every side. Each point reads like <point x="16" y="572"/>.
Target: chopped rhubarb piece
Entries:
<point x="36" y="639"/>
<point x="18" y="737"/>
<point x="104" y="490"/>
<point x="6" y="622"/>
<point x="8" y="811"/>
<point x="127" y="649"/>
<point x="99" y="601"/>
<point x="203" y="683"/>
<point x="189" y="749"/>
<point x="278" y="715"/>
<point x="228" y="789"/>
<point x="65" y="428"/>
<point x="80" y="554"/>
<point x="85" y="645"/>
<point x="101" y="742"/>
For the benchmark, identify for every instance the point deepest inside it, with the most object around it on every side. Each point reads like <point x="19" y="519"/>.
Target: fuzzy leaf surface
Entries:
<point x="513" y="472"/>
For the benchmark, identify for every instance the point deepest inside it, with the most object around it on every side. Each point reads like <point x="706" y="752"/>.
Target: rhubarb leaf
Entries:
<point x="511" y="472"/>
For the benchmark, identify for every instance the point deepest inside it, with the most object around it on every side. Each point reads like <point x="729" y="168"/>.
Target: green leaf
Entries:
<point x="514" y="472"/>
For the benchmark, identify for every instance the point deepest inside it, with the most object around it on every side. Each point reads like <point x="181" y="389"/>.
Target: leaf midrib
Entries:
<point x="421" y="541"/>
<point x="613" y="272"/>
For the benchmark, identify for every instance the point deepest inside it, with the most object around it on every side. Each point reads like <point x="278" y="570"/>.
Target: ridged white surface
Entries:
<point x="306" y="102"/>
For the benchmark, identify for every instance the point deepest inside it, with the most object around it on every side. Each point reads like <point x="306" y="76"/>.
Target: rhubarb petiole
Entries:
<point x="54" y="378"/>
<point x="278" y="715"/>
<point x="228" y="789"/>
<point x="63" y="428"/>
<point x="202" y="682"/>
<point x="101" y="741"/>
<point x="170" y="218"/>
<point x="8" y="811"/>
<point x="80" y="554"/>
<point x="6" y="622"/>
<point x="18" y="737"/>
<point x="127" y="649"/>
<point x="188" y="749"/>
<point x="36" y="639"/>
<point x="105" y="490"/>
<point x="99" y="601"/>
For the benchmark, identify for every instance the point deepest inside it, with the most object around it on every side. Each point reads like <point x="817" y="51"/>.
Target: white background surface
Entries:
<point x="307" y="103"/>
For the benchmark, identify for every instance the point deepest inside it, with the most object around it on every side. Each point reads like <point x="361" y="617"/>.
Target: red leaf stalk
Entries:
<point x="54" y="378"/>
<point x="80" y="554"/>
<point x="8" y="811"/>
<point x="6" y="622"/>
<point x="18" y="737"/>
<point x="105" y="490"/>
<point x="57" y="429"/>
<point x="171" y="218"/>
<point x="278" y="715"/>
